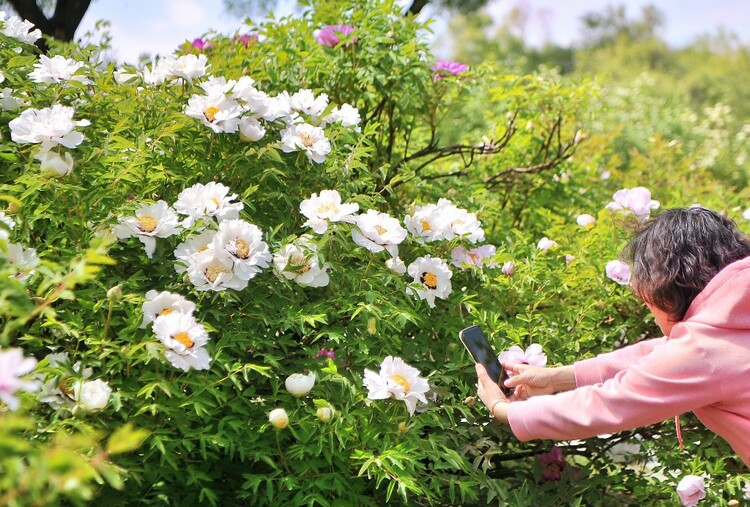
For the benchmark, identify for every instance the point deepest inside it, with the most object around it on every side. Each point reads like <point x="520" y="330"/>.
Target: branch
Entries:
<point x="416" y="7"/>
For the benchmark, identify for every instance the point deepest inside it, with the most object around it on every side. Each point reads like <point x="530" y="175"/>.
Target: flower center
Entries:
<point x="210" y="113"/>
<point x="426" y="226"/>
<point x="241" y="248"/>
<point x="213" y="271"/>
<point x="429" y="279"/>
<point x="216" y="202"/>
<point x="65" y="387"/>
<point x="184" y="338"/>
<point x="475" y="257"/>
<point x="380" y="229"/>
<point x="401" y="380"/>
<point x="327" y="208"/>
<point x="298" y="260"/>
<point x="164" y="312"/>
<point x="147" y="223"/>
<point x="308" y="140"/>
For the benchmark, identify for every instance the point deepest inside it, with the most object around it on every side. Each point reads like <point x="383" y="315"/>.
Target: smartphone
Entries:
<point x="480" y="349"/>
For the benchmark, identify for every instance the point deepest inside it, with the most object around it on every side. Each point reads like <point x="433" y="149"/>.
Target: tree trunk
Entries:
<point x="417" y="6"/>
<point x="63" y="23"/>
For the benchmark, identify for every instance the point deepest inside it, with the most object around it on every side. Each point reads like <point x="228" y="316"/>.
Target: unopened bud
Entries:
<point x="470" y="400"/>
<point x="279" y="418"/>
<point x="372" y="327"/>
<point x="402" y="427"/>
<point x="115" y="293"/>
<point x="324" y="414"/>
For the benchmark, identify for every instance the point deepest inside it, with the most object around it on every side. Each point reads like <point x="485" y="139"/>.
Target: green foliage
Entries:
<point x="521" y="151"/>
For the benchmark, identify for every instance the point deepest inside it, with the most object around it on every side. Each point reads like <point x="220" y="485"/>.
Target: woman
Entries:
<point x="691" y="268"/>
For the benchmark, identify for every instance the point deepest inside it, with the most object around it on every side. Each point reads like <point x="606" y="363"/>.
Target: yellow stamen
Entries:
<point x="298" y="260"/>
<point x="216" y="201"/>
<point x="210" y="113"/>
<point x="429" y="279"/>
<point x="184" y="338"/>
<point x="401" y="380"/>
<point x="307" y="140"/>
<point x="202" y="249"/>
<point x="213" y="271"/>
<point x="426" y="226"/>
<point x="164" y="312"/>
<point x="381" y="230"/>
<point x="147" y="223"/>
<point x="241" y="248"/>
<point x="327" y="208"/>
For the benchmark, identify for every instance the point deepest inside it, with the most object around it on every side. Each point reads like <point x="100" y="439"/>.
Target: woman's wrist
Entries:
<point x="564" y="379"/>
<point x="499" y="410"/>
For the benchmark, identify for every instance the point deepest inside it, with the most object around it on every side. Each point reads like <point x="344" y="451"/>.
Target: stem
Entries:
<point x="282" y="458"/>
<point x="106" y="324"/>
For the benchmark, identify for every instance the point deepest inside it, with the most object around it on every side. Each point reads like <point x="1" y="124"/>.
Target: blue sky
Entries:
<point x="159" y="26"/>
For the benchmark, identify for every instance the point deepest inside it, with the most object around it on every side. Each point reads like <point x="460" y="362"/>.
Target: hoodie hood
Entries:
<point x="725" y="302"/>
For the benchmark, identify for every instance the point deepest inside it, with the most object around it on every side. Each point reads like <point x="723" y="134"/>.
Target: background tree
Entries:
<point x="58" y="19"/>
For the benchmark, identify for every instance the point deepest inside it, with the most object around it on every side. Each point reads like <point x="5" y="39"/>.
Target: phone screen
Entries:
<point x="480" y="349"/>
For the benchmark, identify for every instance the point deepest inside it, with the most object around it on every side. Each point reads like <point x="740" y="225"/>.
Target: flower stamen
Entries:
<point x="401" y="380"/>
<point x="147" y="223"/>
<point x="184" y="339"/>
<point x="429" y="279"/>
<point x="210" y="113"/>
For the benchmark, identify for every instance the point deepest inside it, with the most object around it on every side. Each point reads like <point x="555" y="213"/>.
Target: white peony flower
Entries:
<point x="211" y="270"/>
<point x="310" y="139"/>
<point x="243" y="244"/>
<point x="378" y="231"/>
<point x="250" y="98"/>
<point x="277" y="107"/>
<point x="250" y="129"/>
<point x="189" y="67"/>
<point x="8" y="102"/>
<point x="50" y="126"/>
<point x="57" y="69"/>
<point x="150" y="221"/>
<point x="320" y="210"/>
<point x="633" y="200"/>
<point x="305" y="101"/>
<point x="54" y="163"/>
<point x="218" y="85"/>
<point x="208" y="201"/>
<point x="299" y="385"/>
<point x="159" y="73"/>
<point x="56" y="392"/>
<point x="193" y="245"/>
<point x="399" y="380"/>
<point x="426" y="223"/>
<point x="2" y="76"/>
<point x="478" y="257"/>
<point x="91" y="394"/>
<point x="21" y="30"/>
<point x="185" y="340"/>
<point x="278" y="418"/>
<point x="346" y="115"/>
<point x="545" y="244"/>
<point x="299" y="261"/>
<point x="396" y="265"/>
<point x="23" y="260"/>
<point x="160" y="304"/>
<point x="458" y="223"/>
<point x="618" y="271"/>
<point x="217" y="112"/>
<point x="432" y="277"/>
<point x="122" y="76"/>
<point x="13" y="366"/>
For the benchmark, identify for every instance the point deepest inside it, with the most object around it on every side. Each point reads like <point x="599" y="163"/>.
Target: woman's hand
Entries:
<point x="528" y="381"/>
<point x="491" y="395"/>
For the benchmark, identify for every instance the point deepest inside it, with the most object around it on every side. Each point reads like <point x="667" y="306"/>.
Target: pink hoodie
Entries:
<point x="703" y="366"/>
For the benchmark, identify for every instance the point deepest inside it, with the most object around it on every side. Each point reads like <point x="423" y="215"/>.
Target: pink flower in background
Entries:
<point x="329" y="36"/>
<point x="633" y="200"/>
<point x="202" y="45"/>
<point x="554" y="464"/>
<point x="13" y="366"/>
<point x="533" y="355"/>
<point x="247" y="39"/>
<point x="445" y="68"/>
<point x="330" y="354"/>
<point x="691" y="490"/>
<point x="618" y="271"/>
<point x="569" y="258"/>
<point x="586" y="221"/>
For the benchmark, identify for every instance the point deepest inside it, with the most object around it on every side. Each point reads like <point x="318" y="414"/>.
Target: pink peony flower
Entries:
<point x="247" y="39"/>
<point x="618" y="271"/>
<point x="533" y="355"/>
<point x="569" y="258"/>
<point x="635" y="201"/>
<point x="202" y="45"/>
<point x="329" y="36"/>
<point x="445" y="68"/>
<point x="14" y="365"/>
<point x="691" y="490"/>
<point x="554" y="464"/>
<point x="330" y="354"/>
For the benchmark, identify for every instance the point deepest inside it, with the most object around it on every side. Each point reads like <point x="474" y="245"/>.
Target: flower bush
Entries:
<point x="223" y="271"/>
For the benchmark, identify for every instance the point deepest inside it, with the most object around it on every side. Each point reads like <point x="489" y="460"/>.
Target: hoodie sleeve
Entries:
<point x="672" y="379"/>
<point x="604" y="366"/>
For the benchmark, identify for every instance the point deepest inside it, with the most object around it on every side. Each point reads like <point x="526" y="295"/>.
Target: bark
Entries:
<point x="417" y="6"/>
<point x="63" y="23"/>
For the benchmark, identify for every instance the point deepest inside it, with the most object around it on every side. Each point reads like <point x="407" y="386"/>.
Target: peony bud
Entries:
<point x="54" y="163"/>
<point x="299" y="385"/>
<point x="278" y="418"/>
<point x="586" y="221"/>
<point x="324" y="414"/>
<point x="509" y="268"/>
<point x="402" y="427"/>
<point x="115" y="293"/>
<point x="691" y="490"/>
